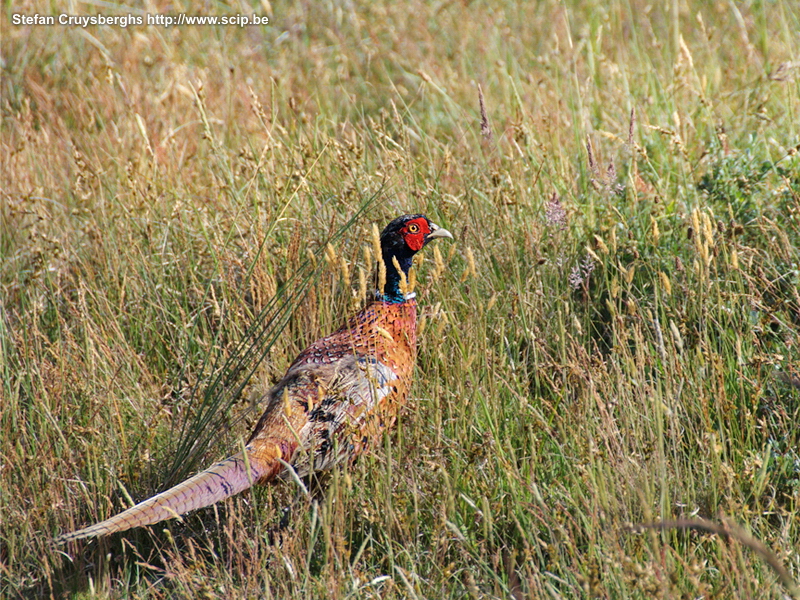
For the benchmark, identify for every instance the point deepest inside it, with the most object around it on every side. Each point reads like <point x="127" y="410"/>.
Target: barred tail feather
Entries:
<point x="224" y="479"/>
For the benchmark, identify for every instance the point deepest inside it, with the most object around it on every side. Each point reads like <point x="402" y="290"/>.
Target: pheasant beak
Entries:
<point x="437" y="232"/>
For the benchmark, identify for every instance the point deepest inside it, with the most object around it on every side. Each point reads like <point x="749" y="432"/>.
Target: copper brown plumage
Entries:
<point x="337" y="397"/>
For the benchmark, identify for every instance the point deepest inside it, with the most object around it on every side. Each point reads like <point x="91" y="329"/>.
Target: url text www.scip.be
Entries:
<point x="175" y="20"/>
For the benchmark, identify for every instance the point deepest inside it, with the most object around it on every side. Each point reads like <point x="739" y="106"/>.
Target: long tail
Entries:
<point x="224" y="479"/>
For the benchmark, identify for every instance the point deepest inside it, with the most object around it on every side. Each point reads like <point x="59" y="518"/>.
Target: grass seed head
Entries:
<point x="666" y="285"/>
<point x="403" y="280"/>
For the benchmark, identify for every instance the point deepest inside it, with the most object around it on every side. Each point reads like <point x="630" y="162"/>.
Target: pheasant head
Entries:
<point x="400" y="241"/>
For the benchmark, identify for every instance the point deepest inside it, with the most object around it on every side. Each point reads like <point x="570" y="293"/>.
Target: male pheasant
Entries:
<point x="337" y="396"/>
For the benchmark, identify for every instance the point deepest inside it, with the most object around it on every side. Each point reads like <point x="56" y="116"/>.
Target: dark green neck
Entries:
<point x="391" y="291"/>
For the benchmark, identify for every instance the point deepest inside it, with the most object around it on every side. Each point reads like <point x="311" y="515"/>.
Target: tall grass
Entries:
<point x="612" y="341"/>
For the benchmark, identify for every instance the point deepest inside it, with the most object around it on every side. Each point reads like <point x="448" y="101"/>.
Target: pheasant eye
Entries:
<point x="413" y="228"/>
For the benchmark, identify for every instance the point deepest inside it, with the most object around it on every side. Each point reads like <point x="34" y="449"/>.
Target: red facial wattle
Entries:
<point x="414" y="233"/>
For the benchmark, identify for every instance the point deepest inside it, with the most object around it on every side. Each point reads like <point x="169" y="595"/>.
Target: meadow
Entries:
<point x="607" y="394"/>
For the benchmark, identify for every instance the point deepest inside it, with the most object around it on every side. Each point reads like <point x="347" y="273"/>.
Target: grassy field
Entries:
<point x="611" y="341"/>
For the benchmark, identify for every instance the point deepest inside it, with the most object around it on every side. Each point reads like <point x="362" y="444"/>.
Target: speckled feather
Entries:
<point x="336" y="399"/>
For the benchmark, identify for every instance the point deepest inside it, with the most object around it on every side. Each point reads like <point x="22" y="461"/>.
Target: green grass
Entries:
<point x="167" y="199"/>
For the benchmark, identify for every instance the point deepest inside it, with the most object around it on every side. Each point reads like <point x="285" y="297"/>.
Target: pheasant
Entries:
<point x="338" y="396"/>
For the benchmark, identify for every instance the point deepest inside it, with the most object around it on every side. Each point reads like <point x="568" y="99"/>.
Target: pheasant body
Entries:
<point x="342" y="391"/>
<point x="336" y="399"/>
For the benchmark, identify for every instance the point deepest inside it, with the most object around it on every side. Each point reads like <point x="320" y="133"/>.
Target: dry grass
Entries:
<point x="611" y="341"/>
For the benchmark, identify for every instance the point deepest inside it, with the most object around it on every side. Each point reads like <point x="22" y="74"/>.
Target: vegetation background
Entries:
<point x="612" y="339"/>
